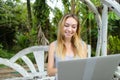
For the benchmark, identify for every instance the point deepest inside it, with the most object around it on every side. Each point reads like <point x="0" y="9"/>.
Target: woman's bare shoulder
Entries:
<point x="52" y="48"/>
<point x="52" y="45"/>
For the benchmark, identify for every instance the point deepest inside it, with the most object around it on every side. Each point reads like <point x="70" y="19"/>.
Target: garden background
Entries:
<point x="25" y="24"/>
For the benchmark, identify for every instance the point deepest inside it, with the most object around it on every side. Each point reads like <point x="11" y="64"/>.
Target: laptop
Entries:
<point x="94" y="68"/>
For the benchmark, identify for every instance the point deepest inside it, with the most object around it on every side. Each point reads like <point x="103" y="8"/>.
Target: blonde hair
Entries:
<point x="76" y="39"/>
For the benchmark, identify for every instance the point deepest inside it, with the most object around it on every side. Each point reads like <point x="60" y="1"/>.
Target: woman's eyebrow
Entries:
<point x="70" y="24"/>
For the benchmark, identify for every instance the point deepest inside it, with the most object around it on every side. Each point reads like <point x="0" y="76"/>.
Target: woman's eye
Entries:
<point x="73" y="26"/>
<point x="66" y="25"/>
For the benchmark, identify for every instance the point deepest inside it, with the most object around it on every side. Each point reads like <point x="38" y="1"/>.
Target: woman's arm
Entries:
<point x="51" y="70"/>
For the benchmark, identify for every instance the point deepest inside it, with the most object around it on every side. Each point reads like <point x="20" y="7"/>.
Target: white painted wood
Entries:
<point x="99" y="22"/>
<point x="14" y="66"/>
<point x="115" y="6"/>
<point x="27" y="51"/>
<point x="89" y="51"/>
<point x="39" y="57"/>
<point x="29" y="64"/>
<point x="38" y="52"/>
<point x="27" y="78"/>
<point x="104" y="30"/>
<point x="117" y="72"/>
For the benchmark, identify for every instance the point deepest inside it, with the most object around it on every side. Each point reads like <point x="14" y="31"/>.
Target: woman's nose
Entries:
<point x="70" y="29"/>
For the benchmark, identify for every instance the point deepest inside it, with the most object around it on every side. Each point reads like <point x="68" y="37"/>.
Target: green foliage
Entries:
<point x="114" y="25"/>
<point x="66" y="4"/>
<point x="22" y="40"/>
<point x="41" y="11"/>
<point x="17" y="0"/>
<point x="1" y="46"/>
<point x="91" y="16"/>
<point x="12" y="17"/>
<point x="96" y="2"/>
<point x="113" y="44"/>
<point x="57" y="16"/>
<point x="32" y="35"/>
<point x="5" y="53"/>
<point x="113" y="16"/>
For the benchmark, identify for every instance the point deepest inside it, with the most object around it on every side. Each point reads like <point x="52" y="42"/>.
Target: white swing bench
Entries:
<point x="34" y="73"/>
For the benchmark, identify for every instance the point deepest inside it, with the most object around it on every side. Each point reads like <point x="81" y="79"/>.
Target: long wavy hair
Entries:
<point x="76" y="39"/>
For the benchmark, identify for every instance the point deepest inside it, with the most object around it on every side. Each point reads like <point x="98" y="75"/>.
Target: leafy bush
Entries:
<point x="1" y="46"/>
<point x="114" y="44"/>
<point x="5" y="54"/>
<point x="22" y="40"/>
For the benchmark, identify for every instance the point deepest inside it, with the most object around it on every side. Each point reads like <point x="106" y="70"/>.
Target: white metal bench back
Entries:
<point x="39" y="57"/>
<point x="38" y="52"/>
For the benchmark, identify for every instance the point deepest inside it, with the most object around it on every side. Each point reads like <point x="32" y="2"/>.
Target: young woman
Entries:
<point x="68" y="45"/>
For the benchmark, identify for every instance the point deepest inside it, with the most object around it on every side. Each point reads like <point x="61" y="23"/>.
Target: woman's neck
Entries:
<point x="68" y="44"/>
<point x="67" y="40"/>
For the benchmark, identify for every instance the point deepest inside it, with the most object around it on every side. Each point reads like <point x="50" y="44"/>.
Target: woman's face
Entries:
<point x="70" y="27"/>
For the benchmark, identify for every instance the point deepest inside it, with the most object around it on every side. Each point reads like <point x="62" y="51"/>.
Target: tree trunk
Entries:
<point x="29" y="14"/>
<point x="72" y="6"/>
<point x="42" y="40"/>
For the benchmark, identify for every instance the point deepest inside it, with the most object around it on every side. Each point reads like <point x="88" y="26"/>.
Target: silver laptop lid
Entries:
<point x="95" y="68"/>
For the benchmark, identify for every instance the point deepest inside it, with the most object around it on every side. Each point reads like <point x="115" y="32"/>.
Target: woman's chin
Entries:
<point x="68" y="36"/>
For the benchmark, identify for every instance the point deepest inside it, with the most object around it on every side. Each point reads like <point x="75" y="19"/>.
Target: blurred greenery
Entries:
<point x="114" y="44"/>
